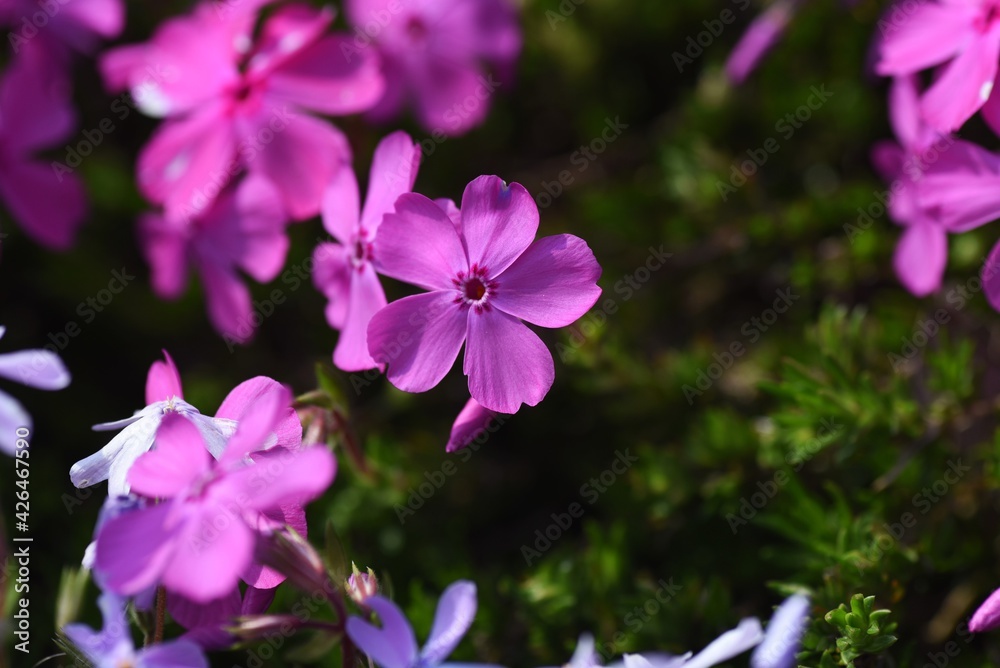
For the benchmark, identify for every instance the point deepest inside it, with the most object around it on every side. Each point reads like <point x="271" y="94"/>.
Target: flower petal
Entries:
<point x="165" y="246"/>
<point x="419" y="244"/>
<point x="303" y="157"/>
<point x="418" y="337"/>
<point x="163" y="381"/>
<point x="228" y="301"/>
<point x="280" y="477"/>
<point x="964" y="84"/>
<point x="114" y="460"/>
<point x="12" y="417"/>
<point x="332" y="276"/>
<point x="453" y="617"/>
<point x="269" y="409"/>
<point x="987" y="615"/>
<point x="367" y="298"/>
<point x="241" y="401"/>
<point x="507" y="364"/>
<point x="921" y="256"/>
<point x="469" y="425"/>
<point x="341" y="208"/>
<point x="784" y="633"/>
<point x="499" y="222"/>
<point x="187" y="161"/>
<point x="931" y="34"/>
<point x="393" y="645"/>
<point x="731" y="643"/>
<point x="394" y="169"/>
<point x="49" y="205"/>
<point x="174" y="654"/>
<point x="133" y="548"/>
<point x="762" y="34"/>
<point x="552" y="284"/>
<point x="177" y="462"/>
<point x="211" y="551"/>
<point x="35" y="368"/>
<point x="330" y="76"/>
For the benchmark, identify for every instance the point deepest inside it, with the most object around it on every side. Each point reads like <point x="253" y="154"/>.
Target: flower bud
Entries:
<point x="361" y="586"/>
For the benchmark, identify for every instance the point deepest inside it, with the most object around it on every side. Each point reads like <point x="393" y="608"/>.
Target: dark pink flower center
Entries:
<point x="416" y="29"/>
<point x="989" y="17"/>
<point x="361" y="251"/>
<point x="474" y="289"/>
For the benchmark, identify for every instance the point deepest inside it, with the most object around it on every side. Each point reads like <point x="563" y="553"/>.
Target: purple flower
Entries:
<point x="35" y="368"/>
<point x="36" y="113"/>
<point x="235" y="98"/>
<point x="483" y="278"/>
<point x="113" y="648"/>
<point x="346" y="272"/>
<point x="394" y="645"/>
<point x="200" y="540"/>
<point x="432" y="54"/>
<point x="243" y="229"/>
<point x="964" y="37"/>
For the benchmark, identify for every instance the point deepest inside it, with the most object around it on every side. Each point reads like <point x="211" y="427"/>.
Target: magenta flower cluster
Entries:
<point x="938" y="184"/>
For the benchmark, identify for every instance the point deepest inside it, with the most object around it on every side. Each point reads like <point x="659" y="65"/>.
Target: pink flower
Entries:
<point x="200" y="540"/>
<point x="964" y="36"/>
<point x="243" y="229"/>
<point x="74" y="23"/>
<point x="922" y="252"/>
<point x="36" y="113"/>
<point x="483" y="278"/>
<point x="346" y="272"/>
<point x="433" y="52"/>
<point x="164" y="396"/>
<point x="233" y="101"/>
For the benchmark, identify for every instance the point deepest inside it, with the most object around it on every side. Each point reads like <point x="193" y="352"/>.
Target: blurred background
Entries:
<point x="750" y="474"/>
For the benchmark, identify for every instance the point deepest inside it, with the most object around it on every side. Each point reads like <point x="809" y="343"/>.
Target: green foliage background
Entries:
<point x="818" y="391"/>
